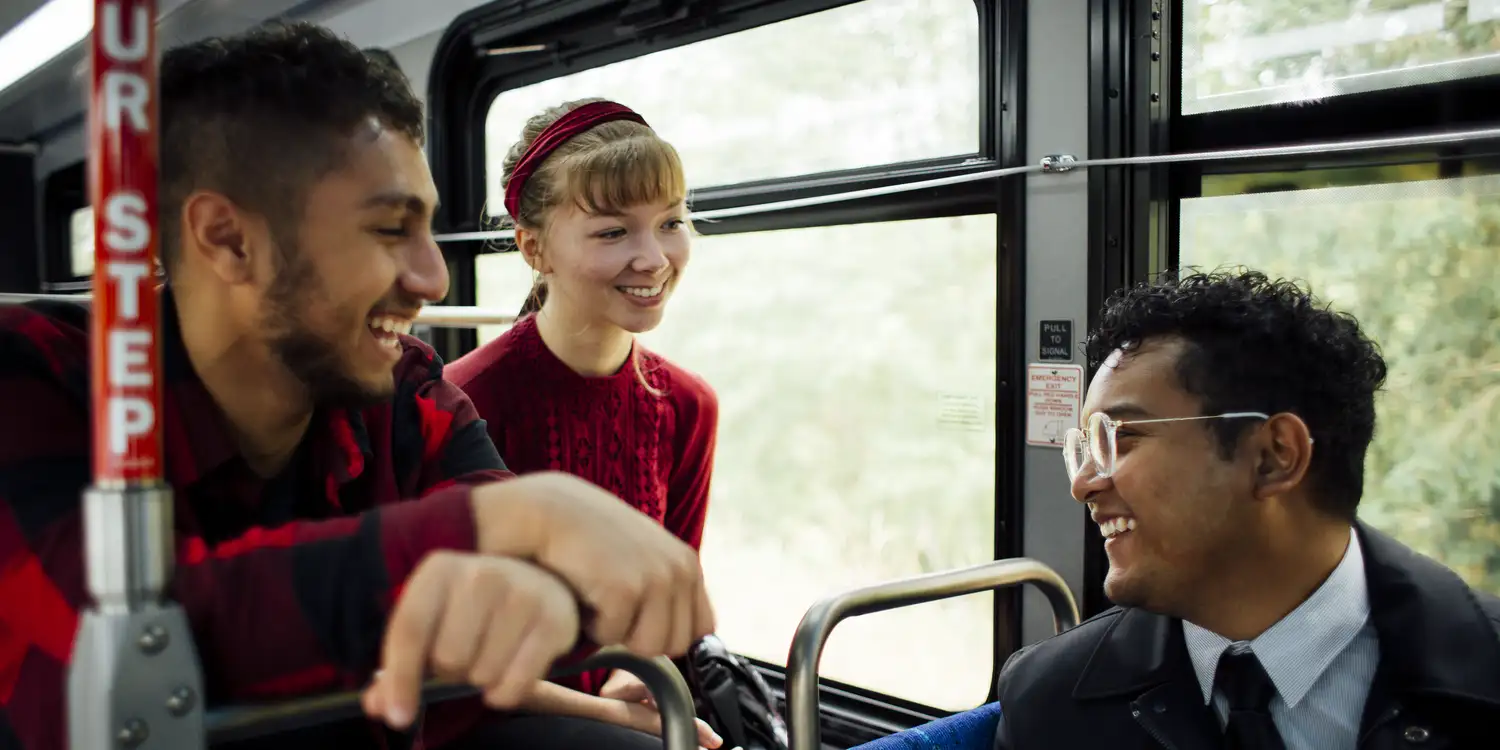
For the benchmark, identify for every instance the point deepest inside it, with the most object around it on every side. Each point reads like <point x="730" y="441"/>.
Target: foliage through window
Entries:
<point x="856" y="382"/>
<point x="1241" y="53"/>
<point x="875" y="82"/>
<point x="1418" y="263"/>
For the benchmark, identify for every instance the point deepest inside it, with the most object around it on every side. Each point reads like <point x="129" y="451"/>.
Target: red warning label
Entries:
<point x="1054" y="399"/>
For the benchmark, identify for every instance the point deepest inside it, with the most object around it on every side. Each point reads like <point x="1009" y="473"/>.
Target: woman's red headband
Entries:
<point x="559" y="132"/>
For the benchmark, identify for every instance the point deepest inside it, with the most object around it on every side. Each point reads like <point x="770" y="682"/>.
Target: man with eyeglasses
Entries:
<point x="1222" y="458"/>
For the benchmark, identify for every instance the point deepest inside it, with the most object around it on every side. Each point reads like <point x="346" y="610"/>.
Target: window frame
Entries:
<point x="1423" y="107"/>
<point x="463" y="85"/>
<point x="20" y="268"/>
<point x="1132" y="219"/>
<point x="64" y="191"/>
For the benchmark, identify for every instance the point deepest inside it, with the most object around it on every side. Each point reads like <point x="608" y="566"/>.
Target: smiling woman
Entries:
<point x="597" y="199"/>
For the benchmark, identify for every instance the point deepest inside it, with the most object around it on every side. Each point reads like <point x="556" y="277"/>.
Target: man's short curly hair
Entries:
<point x="262" y="115"/>
<point x="1256" y="344"/>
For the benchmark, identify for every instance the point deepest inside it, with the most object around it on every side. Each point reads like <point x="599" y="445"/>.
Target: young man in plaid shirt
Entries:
<point x="339" y="507"/>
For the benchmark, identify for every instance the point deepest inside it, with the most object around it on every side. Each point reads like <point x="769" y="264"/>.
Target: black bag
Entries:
<point x="732" y="698"/>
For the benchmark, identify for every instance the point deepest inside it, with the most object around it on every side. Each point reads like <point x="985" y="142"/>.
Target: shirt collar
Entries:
<point x="198" y="438"/>
<point x="1299" y="647"/>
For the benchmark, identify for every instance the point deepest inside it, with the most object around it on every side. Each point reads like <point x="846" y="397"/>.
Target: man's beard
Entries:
<point x="313" y="359"/>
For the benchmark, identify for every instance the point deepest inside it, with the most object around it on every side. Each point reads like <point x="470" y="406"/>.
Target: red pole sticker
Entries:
<point x="122" y="181"/>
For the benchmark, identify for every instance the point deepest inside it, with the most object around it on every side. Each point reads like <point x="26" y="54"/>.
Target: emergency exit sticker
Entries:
<point x="1054" y="399"/>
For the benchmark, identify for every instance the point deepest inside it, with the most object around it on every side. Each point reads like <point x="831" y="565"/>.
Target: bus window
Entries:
<point x="1253" y="52"/>
<point x="856" y="434"/>
<point x="783" y="100"/>
<point x="1416" y="263"/>
<point x="855" y="364"/>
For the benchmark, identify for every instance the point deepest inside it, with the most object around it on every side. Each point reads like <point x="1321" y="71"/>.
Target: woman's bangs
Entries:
<point x="643" y="170"/>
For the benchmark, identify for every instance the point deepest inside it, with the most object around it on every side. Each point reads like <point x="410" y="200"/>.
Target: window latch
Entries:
<point x="642" y="16"/>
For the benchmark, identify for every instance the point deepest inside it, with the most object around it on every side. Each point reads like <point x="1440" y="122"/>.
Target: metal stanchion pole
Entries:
<point x="134" y="679"/>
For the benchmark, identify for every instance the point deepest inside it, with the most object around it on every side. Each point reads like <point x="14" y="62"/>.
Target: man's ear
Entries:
<point x="221" y="237"/>
<point x="1284" y="449"/>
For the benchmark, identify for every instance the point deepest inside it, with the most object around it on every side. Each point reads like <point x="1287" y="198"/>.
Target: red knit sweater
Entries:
<point x="654" y="452"/>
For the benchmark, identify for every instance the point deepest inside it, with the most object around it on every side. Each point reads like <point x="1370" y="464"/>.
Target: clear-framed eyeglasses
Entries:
<point x="1094" y="445"/>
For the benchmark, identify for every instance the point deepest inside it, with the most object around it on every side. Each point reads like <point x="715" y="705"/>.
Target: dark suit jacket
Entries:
<point x="1123" y="679"/>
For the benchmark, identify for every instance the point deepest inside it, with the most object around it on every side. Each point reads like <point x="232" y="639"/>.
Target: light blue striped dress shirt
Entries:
<point x="1321" y="657"/>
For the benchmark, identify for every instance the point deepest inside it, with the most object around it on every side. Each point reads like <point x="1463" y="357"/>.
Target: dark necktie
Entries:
<point x="1249" y="690"/>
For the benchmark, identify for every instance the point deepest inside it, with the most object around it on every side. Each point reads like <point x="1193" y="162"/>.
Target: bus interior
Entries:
<point x="908" y="214"/>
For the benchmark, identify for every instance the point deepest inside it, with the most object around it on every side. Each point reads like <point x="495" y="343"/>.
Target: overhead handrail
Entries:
<point x="667" y="687"/>
<point x="819" y="621"/>
<point x="1064" y="163"/>
<point x="441" y="316"/>
<point x="1053" y="164"/>
<point x="1059" y="163"/>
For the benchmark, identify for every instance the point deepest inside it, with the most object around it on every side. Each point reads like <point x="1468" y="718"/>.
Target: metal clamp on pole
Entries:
<point x="1058" y="163"/>
<point x="133" y="680"/>
<point x="668" y="689"/>
<point x="812" y="633"/>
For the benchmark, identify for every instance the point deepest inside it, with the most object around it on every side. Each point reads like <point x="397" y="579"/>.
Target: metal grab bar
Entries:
<point x="1059" y="163"/>
<point x="442" y="316"/>
<point x="670" y="691"/>
<point x="812" y="633"/>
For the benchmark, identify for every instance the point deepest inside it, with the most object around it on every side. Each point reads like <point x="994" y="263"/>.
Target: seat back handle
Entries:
<point x="660" y="675"/>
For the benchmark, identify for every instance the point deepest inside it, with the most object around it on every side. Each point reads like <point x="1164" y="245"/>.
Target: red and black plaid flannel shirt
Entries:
<point x="287" y="583"/>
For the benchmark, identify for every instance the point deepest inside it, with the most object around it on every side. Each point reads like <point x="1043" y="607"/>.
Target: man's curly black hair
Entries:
<point x="262" y="115"/>
<point x="1257" y="344"/>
